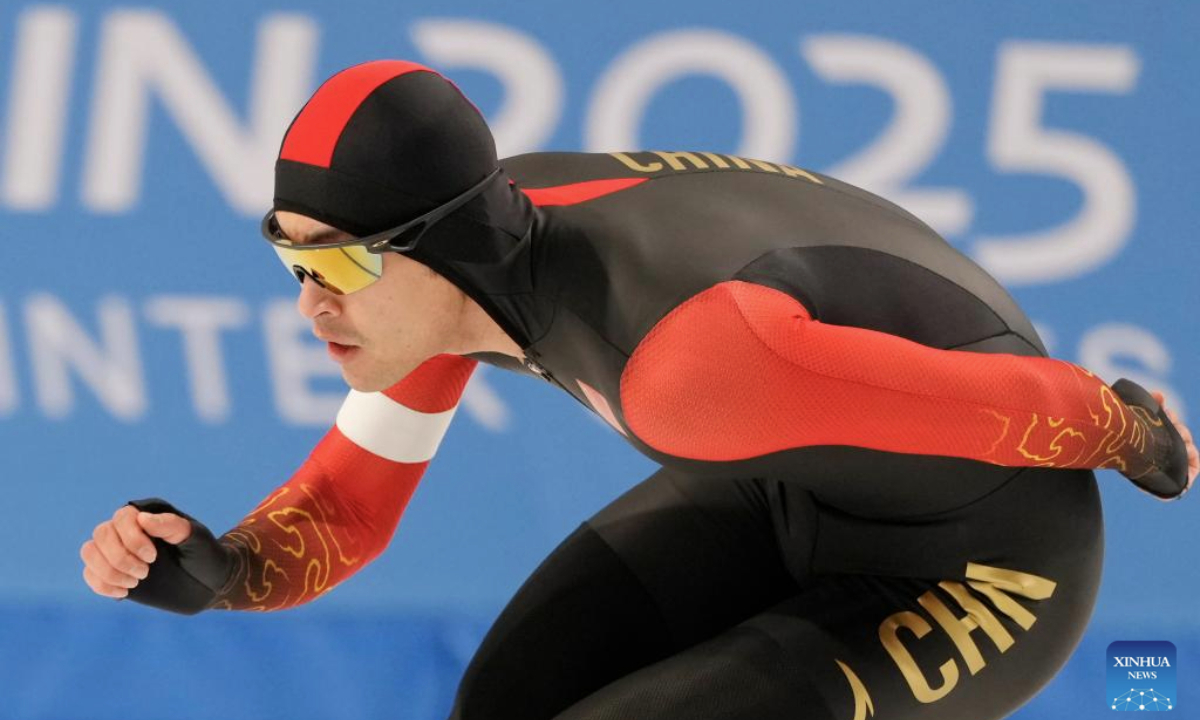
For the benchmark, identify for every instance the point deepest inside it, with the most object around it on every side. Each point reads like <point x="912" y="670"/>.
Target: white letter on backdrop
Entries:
<point x="142" y="51"/>
<point x="200" y="321"/>
<point x="293" y="363"/>
<point x="112" y="368"/>
<point x="769" y="112"/>
<point x="1103" y="347"/>
<point x="8" y="378"/>
<point x="483" y="403"/>
<point x="1017" y="142"/>
<point x="532" y="85"/>
<point x="37" y="106"/>
<point x="919" y="126"/>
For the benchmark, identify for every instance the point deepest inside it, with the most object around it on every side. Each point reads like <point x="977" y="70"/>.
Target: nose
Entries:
<point x="315" y="300"/>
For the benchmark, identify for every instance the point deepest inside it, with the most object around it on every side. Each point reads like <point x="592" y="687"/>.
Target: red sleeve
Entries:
<point x="741" y="370"/>
<point x="341" y="508"/>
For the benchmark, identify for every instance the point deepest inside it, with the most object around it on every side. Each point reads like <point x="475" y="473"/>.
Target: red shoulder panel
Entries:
<point x="579" y="192"/>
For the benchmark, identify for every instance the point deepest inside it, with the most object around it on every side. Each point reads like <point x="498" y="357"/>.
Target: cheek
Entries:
<point x="387" y="319"/>
<point x="405" y="310"/>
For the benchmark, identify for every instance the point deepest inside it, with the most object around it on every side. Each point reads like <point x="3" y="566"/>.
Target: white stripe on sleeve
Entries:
<point x="384" y="427"/>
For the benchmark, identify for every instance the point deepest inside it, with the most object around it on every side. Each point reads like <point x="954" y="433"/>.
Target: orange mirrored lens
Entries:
<point x="339" y="270"/>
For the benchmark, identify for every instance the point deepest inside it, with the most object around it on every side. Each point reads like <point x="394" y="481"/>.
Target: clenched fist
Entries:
<point x="1193" y="457"/>
<point x="121" y="550"/>
<point x="156" y="555"/>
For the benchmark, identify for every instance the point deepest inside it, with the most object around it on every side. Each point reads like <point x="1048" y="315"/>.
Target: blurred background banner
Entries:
<point x="149" y="344"/>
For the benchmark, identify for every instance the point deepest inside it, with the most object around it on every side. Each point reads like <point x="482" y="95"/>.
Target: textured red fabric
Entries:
<point x="742" y="370"/>
<point x="337" y="512"/>
<point x="435" y="386"/>
<point x="579" y="192"/>
<point x="335" y="515"/>
<point x="315" y="132"/>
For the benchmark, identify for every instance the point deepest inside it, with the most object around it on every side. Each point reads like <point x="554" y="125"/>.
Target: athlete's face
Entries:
<point x="382" y="332"/>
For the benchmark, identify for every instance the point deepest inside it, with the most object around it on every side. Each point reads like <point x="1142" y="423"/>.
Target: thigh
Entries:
<point x="847" y="648"/>
<point x="672" y="562"/>
<point x="976" y="628"/>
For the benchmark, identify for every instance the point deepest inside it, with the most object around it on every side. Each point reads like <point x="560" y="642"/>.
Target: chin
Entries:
<point x="372" y="379"/>
<point x="362" y="383"/>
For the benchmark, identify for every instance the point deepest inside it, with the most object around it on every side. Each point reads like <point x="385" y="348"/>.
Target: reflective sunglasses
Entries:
<point x="348" y="266"/>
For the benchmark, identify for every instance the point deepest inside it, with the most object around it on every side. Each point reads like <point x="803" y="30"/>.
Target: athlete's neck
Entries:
<point x="478" y="332"/>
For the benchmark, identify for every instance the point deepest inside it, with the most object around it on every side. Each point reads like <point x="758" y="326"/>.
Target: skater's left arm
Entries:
<point x="743" y="370"/>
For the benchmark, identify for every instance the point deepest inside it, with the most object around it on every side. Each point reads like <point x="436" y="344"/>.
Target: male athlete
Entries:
<point x="875" y="498"/>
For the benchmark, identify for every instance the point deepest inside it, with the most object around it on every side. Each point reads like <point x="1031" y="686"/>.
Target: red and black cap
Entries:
<point x="381" y="143"/>
<point x="384" y="142"/>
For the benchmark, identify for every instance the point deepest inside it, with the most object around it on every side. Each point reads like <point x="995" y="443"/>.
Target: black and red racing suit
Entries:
<point x="875" y="497"/>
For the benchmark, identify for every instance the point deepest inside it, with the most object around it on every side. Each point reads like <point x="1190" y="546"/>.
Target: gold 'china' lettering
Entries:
<point x="673" y="159"/>
<point x="715" y="159"/>
<point x="681" y="161"/>
<point x="635" y="165"/>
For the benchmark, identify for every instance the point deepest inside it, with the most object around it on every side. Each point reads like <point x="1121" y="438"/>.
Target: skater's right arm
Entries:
<point x="336" y="514"/>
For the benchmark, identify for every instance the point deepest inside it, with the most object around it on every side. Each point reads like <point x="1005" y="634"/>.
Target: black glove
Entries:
<point x="184" y="578"/>
<point x="1168" y="479"/>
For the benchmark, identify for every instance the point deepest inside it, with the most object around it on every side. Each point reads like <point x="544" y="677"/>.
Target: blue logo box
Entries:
<point x="1141" y="675"/>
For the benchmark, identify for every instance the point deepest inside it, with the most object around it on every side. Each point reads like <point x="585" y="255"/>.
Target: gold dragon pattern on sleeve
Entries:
<point x="294" y="547"/>
<point x="1114" y="435"/>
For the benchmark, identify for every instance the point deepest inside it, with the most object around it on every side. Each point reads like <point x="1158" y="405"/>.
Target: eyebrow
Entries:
<point x="324" y="236"/>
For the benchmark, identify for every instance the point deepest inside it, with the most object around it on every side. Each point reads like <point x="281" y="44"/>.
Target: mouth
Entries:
<point x="341" y="353"/>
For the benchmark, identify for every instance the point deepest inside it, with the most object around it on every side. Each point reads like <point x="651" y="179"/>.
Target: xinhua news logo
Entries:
<point x="1141" y="675"/>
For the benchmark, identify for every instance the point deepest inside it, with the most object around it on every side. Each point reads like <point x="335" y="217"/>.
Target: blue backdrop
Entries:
<point x="148" y="344"/>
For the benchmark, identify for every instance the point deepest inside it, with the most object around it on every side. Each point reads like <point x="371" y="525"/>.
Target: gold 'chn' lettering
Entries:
<point x="889" y="636"/>
<point x="997" y="585"/>
<point x="673" y="159"/>
<point x="996" y="582"/>
<point x="959" y="629"/>
<point x="635" y="165"/>
<point x="863" y="707"/>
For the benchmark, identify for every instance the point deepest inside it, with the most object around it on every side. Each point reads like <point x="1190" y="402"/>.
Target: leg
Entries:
<point x="1002" y="593"/>
<point x="670" y="563"/>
